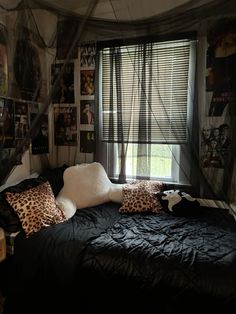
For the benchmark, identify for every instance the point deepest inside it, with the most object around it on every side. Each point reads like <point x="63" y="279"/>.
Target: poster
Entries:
<point x="221" y="68"/>
<point x="21" y="120"/>
<point x="3" y="62"/>
<point x="63" y="91"/>
<point x="40" y="140"/>
<point x="87" y="80"/>
<point x="65" y="126"/>
<point x="6" y="123"/>
<point x="87" y="144"/>
<point x="87" y="112"/>
<point x="215" y="146"/>
<point x="87" y="56"/>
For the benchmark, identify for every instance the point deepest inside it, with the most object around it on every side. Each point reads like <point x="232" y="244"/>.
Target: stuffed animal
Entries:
<point x="177" y="202"/>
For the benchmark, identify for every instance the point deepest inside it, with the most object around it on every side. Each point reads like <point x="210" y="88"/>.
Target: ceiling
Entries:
<point x="121" y="10"/>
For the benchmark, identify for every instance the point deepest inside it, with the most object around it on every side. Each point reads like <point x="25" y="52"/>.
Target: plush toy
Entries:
<point x="87" y="185"/>
<point x="177" y="202"/>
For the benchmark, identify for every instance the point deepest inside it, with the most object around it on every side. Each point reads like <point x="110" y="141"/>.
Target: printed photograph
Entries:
<point x="87" y="55"/>
<point x="21" y="119"/>
<point x="3" y="62"/>
<point x="221" y="68"/>
<point x="65" y="126"/>
<point x="39" y="142"/>
<point x="87" y="49"/>
<point x="87" y="80"/>
<point x="63" y="92"/>
<point x="87" y="144"/>
<point x="7" y="128"/>
<point x="215" y="146"/>
<point x="87" y="111"/>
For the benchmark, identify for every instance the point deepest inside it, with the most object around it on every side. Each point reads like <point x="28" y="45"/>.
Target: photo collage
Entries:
<point x="64" y="98"/>
<point x="87" y="92"/>
<point x="16" y="119"/>
<point x="216" y="131"/>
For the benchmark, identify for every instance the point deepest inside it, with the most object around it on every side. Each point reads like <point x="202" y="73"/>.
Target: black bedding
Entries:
<point x="155" y="263"/>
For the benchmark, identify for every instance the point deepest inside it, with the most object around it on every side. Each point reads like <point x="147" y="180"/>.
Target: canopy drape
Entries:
<point x="52" y="78"/>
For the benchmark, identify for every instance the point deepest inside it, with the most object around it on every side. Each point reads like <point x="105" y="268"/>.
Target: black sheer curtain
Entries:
<point x="144" y="102"/>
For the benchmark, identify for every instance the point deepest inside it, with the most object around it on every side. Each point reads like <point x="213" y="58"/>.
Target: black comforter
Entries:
<point x="136" y="262"/>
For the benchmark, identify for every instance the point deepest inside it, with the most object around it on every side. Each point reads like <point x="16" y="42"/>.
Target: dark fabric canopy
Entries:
<point x="32" y="45"/>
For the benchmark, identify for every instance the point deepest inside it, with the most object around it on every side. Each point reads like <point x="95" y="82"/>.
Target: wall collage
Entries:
<point x="73" y="100"/>
<point x="216" y="133"/>
<point x="65" y="117"/>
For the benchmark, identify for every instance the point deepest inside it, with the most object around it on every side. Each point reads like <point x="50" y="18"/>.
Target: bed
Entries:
<point x="102" y="260"/>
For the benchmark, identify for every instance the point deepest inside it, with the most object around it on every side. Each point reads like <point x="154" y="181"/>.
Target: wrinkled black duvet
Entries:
<point x="146" y="263"/>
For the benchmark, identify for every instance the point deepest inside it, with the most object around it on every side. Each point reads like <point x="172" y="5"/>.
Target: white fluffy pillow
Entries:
<point x="88" y="185"/>
<point x="116" y="193"/>
<point x="67" y="205"/>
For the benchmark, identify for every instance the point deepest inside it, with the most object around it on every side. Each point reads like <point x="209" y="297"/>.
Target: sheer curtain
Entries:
<point x="146" y="106"/>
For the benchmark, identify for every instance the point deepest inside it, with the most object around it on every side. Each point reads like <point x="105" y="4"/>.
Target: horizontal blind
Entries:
<point x="145" y="92"/>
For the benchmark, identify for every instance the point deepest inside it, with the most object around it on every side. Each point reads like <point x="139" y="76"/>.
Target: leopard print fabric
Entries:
<point x="36" y="208"/>
<point x="140" y="196"/>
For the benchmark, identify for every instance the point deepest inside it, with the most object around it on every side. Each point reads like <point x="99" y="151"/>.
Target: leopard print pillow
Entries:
<point x="36" y="208"/>
<point x="139" y="196"/>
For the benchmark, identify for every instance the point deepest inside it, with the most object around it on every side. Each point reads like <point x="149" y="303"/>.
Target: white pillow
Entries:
<point x="116" y="193"/>
<point x="67" y="205"/>
<point x="88" y="185"/>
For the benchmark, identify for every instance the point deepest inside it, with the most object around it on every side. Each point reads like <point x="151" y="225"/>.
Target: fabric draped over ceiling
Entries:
<point x="26" y="34"/>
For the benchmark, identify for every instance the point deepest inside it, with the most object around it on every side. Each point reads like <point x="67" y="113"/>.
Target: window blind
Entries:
<point x="145" y="92"/>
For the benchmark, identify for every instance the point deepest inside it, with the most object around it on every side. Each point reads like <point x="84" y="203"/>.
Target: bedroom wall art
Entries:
<point x="217" y="149"/>
<point x="221" y="68"/>
<point x="87" y="101"/>
<point x="6" y="123"/>
<point x="87" y="143"/>
<point x="64" y="89"/>
<point x="215" y="146"/>
<point x="65" y="126"/>
<point x="21" y="119"/>
<point x="40" y="142"/>
<point x="3" y="61"/>
<point x="87" y="80"/>
<point x="87" y="112"/>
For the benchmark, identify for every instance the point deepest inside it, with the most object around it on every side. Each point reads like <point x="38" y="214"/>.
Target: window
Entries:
<point x="145" y="109"/>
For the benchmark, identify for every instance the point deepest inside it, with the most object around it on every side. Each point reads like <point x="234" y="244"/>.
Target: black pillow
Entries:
<point x="9" y="220"/>
<point x="177" y="202"/>
<point x="55" y="177"/>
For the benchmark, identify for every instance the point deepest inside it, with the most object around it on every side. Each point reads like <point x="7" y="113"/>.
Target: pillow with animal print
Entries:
<point x="177" y="202"/>
<point x="36" y="208"/>
<point x="9" y="220"/>
<point x="139" y="196"/>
